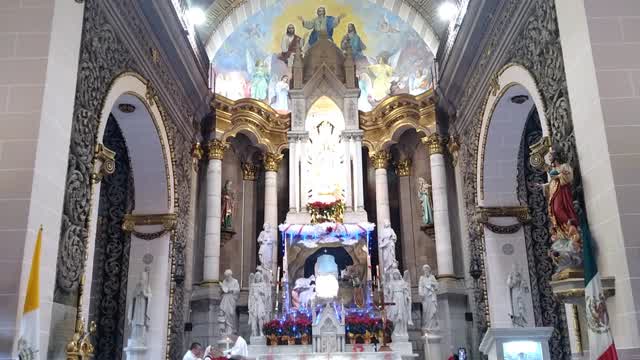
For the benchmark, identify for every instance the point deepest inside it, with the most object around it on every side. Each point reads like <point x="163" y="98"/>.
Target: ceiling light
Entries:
<point x="519" y="99"/>
<point x="196" y="16"/>
<point x="447" y="11"/>
<point x="126" y="108"/>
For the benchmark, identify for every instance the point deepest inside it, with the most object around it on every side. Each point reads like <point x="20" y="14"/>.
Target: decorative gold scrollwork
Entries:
<point x="272" y="161"/>
<point x="105" y="163"/>
<point x="380" y="159"/>
<point x="403" y="167"/>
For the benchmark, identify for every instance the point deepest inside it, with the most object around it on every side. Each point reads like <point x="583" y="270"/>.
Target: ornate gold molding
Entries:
<point x="196" y="151"/>
<point x="395" y="113"/>
<point x="380" y="159"/>
<point x="519" y="212"/>
<point x="272" y="161"/>
<point x="538" y="151"/>
<point x="249" y="171"/>
<point x="104" y="162"/>
<point x="403" y="167"/>
<point x="454" y="149"/>
<point x="268" y="127"/>
<point x="433" y="144"/>
<point x="168" y="221"/>
<point x="216" y="149"/>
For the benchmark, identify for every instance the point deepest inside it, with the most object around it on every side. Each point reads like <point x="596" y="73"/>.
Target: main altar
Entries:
<point x="328" y="298"/>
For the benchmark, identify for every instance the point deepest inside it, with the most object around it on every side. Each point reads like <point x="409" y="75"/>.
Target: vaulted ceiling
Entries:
<point x="223" y="16"/>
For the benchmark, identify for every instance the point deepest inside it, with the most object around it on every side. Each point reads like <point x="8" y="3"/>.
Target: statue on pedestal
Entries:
<point x="424" y="190"/>
<point x="517" y="289"/>
<point x="258" y="289"/>
<point x="228" y="197"/>
<point x="387" y="246"/>
<point x="566" y="247"/>
<point x="428" y="290"/>
<point x="138" y="318"/>
<point x="266" y="241"/>
<point x="230" y="293"/>
<point x="399" y="290"/>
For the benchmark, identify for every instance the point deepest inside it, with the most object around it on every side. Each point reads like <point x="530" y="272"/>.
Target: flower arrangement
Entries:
<point x="290" y="329"/>
<point x="326" y="212"/>
<point x="365" y="327"/>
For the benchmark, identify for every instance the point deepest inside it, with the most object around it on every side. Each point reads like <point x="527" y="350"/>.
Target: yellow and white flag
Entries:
<point x="29" y="341"/>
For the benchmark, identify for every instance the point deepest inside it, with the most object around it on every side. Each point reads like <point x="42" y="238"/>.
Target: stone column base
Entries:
<point x="135" y="352"/>
<point x="432" y="347"/>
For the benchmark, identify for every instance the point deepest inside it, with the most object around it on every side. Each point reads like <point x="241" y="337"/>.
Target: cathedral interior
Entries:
<point x="346" y="179"/>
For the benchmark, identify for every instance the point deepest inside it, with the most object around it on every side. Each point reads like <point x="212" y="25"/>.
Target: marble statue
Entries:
<point x="566" y="246"/>
<point x="138" y="317"/>
<point x="428" y="290"/>
<point x="399" y="290"/>
<point x="321" y="23"/>
<point x="517" y="290"/>
<point x="267" y="279"/>
<point x="266" y="241"/>
<point x="304" y="292"/>
<point x="424" y="190"/>
<point x="230" y="293"/>
<point x="228" y="198"/>
<point x="387" y="246"/>
<point x="258" y="289"/>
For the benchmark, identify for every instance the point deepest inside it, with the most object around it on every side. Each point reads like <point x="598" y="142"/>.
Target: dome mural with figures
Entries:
<point x="255" y="60"/>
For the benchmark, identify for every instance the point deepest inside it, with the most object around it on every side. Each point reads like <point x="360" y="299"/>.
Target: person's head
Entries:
<point x="265" y="226"/>
<point x="285" y="78"/>
<point x="228" y="274"/>
<point x="351" y="28"/>
<point x="258" y="277"/>
<point x="396" y="275"/>
<point x="291" y="30"/>
<point x="387" y="224"/>
<point x="196" y="349"/>
<point x="321" y="11"/>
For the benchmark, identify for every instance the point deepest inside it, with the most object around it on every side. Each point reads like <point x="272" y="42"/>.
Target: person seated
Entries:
<point x="194" y="352"/>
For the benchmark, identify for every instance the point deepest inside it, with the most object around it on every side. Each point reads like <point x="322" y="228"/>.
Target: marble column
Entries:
<point x="271" y="165"/>
<point x="359" y="180"/>
<point x="249" y="176"/>
<point x="380" y="162"/>
<point x="406" y="197"/>
<point x="211" y="272"/>
<point x="348" y="186"/>
<point x="441" y="225"/>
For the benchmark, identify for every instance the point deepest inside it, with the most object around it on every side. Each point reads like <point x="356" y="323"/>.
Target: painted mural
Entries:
<point x="255" y="60"/>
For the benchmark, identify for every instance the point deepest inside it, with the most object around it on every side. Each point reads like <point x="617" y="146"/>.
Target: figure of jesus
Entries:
<point x="322" y="23"/>
<point x="289" y="44"/>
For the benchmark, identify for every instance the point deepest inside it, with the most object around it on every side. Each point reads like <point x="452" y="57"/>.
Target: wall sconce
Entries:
<point x="104" y="163"/>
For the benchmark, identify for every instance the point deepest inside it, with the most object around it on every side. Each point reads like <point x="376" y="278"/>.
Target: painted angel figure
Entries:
<point x="260" y="73"/>
<point x="382" y="70"/>
<point x="400" y="295"/>
<point x="257" y="303"/>
<point x="365" y="84"/>
<point x="424" y="192"/>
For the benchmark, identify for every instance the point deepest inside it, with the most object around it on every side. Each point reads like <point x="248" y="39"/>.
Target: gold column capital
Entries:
<point x="272" y="161"/>
<point x="216" y="149"/>
<point x="249" y="171"/>
<point x="403" y="167"/>
<point x="380" y="159"/>
<point x="433" y="143"/>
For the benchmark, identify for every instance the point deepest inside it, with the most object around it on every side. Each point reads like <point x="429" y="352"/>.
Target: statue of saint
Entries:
<point x="228" y="198"/>
<point x="352" y="38"/>
<point x="428" y="290"/>
<point x="566" y="247"/>
<point x="138" y="318"/>
<point x="387" y="245"/>
<point x="399" y="290"/>
<point x="230" y="293"/>
<point x="265" y="251"/>
<point x="517" y="289"/>
<point x="322" y="23"/>
<point x="257" y="303"/>
<point x="425" y="200"/>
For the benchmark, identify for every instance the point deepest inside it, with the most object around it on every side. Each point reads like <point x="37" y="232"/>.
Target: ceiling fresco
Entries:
<point x="255" y="60"/>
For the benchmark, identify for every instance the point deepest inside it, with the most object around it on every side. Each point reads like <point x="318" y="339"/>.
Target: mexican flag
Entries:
<point x="29" y="340"/>
<point x="601" y="344"/>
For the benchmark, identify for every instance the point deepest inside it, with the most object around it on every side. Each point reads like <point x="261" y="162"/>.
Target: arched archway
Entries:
<point x="142" y="184"/>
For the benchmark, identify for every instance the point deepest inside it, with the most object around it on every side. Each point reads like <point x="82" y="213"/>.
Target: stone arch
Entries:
<point x="246" y="9"/>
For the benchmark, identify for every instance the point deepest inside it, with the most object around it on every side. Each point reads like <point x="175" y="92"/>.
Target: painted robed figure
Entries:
<point x="321" y="23"/>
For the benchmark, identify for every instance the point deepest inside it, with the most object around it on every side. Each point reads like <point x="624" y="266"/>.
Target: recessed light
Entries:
<point x="126" y="108"/>
<point x="519" y="99"/>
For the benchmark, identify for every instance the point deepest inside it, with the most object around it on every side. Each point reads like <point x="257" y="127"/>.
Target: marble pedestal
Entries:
<point x="492" y="344"/>
<point x="433" y="347"/>
<point x="135" y="351"/>
<point x="401" y="345"/>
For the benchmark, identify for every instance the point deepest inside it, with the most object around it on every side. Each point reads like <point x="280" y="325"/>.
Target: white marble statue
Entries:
<point x="517" y="290"/>
<point x="399" y="290"/>
<point x="304" y="292"/>
<point x="266" y="241"/>
<point x="230" y="293"/>
<point x="424" y="196"/>
<point x="138" y="318"/>
<point x="428" y="290"/>
<point x="387" y="246"/>
<point x="258" y="289"/>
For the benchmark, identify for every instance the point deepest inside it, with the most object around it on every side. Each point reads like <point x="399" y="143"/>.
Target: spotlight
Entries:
<point x="196" y="16"/>
<point x="447" y="11"/>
